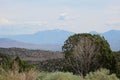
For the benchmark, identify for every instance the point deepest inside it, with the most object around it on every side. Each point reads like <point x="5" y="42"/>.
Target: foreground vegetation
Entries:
<point x="102" y="74"/>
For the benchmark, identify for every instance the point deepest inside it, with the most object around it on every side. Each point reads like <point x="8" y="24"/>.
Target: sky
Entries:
<point x="30" y="16"/>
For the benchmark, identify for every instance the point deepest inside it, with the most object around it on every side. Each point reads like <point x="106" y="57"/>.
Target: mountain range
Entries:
<point x="44" y="40"/>
<point x="9" y="43"/>
<point x="52" y="39"/>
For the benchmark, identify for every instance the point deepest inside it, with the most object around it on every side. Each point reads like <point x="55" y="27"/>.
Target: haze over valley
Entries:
<point x="52" y="39"/>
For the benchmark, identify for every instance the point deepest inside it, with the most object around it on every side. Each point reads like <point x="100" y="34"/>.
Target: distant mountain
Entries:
<point x="43" y="37"/>
<point x="8" y="43"/>
<point x="54" y="39"/>
<point x="113" y="38"/>
<point x="46" y="40"/>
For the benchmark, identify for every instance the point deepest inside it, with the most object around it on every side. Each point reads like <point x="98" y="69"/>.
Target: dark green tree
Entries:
<point x="5" y="62"/>
<point x="86" y="52"/>
<point x="21" y="65"/>
<point x="118" y="66"/>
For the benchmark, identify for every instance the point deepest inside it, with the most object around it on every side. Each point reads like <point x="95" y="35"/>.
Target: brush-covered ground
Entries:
<point x="101" y="74"/>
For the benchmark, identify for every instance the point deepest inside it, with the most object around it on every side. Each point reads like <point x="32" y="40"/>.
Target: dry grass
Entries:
<point x="15" y="75"/>
<point x="102" y="74"/>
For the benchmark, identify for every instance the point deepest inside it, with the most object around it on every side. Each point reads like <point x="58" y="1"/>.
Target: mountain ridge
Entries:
<point x="54" y="36"/>
<point x="54" y="39"/>
<point x="9" y="43"/>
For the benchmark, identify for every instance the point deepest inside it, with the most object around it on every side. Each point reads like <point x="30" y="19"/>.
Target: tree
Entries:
<point x="21" y="65"/>
<point x="86" y="52"/>
<point x="118" y="66"/>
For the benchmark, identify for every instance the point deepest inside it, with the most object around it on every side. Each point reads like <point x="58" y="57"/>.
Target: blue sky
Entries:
<point x="30" y="16"/>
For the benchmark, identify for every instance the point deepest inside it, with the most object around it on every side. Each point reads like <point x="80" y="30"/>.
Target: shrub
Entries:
<point x="15" y="75"/>
<point x="102" y="74"/>
<point x="51" y="65"/>
<point x="59" y="76"/>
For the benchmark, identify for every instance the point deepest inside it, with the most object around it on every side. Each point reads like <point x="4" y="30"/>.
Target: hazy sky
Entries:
<point x="29" y="16"/>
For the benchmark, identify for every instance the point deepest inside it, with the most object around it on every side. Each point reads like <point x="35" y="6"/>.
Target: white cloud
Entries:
<point x="62" y="16"/>
<point x="5" y="21"/>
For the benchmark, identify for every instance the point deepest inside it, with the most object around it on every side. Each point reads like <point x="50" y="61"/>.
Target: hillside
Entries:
<point x="9" y="43"/>
<point x="30" y="55"/>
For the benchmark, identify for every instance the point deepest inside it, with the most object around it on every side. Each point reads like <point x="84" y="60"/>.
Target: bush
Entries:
<point x="16" y="75"/>
<point x="59" y="76"/>
<point x="51" y="65"/>
<point x="102" y="74"/>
